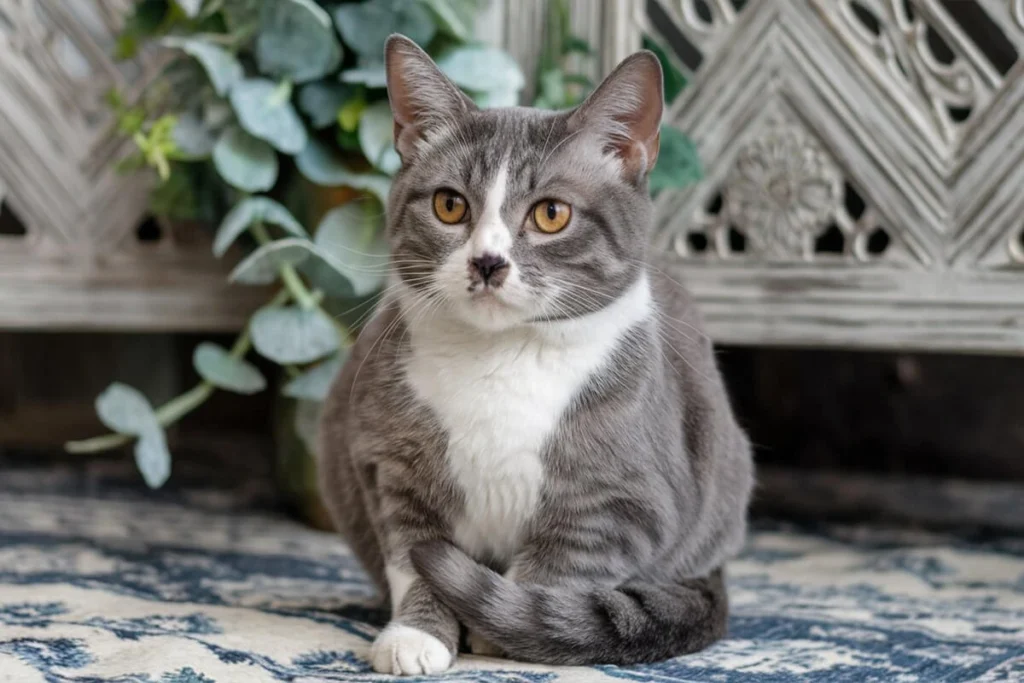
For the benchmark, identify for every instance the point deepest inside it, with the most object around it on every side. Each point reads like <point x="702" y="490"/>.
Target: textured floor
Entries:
<point x="99" y="584"/>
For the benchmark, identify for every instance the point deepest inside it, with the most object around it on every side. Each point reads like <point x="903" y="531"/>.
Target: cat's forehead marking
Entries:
<point x="491" y="235"/>
<point x="521" y="140"/>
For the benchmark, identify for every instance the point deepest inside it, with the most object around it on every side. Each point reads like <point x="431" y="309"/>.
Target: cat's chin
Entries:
<point x="489" y="313"/>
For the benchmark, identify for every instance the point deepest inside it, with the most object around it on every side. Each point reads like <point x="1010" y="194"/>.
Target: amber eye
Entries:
<point x="449" y="206"/>
<point x="551" y="215"/>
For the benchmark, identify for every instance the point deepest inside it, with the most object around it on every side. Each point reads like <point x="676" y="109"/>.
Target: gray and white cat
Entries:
<point x="531" y="438"/>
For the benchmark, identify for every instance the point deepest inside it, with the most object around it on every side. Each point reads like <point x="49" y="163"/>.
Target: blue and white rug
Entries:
<point x="96" y="589"/>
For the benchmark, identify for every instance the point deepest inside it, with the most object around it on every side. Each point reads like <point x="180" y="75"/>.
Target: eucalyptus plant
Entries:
<point x="261" y="101"/>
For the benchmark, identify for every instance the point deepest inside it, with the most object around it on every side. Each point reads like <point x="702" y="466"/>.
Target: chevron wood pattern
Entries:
<point x="864" y="168"/>
<point x="70" y="253"/>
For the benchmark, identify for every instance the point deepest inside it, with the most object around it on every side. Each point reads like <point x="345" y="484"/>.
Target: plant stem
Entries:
<point x="97" y="444"/>
<point x="297" y="287"/>
<point x="178" y="407"/>
<point x="289" y="276"/>
<point x="166" y="415"/>
<point x="282" y="93"/>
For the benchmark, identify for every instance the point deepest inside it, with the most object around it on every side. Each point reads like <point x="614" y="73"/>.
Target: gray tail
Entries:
<point x="576" y="624"/>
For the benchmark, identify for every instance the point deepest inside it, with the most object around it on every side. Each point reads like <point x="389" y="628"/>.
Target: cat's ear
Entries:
<point x="625" y="111"/>
<point x="421" y="96"/>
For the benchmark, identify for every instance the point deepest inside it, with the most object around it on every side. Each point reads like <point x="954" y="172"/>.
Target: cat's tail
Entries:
<point x="576" y="624"/>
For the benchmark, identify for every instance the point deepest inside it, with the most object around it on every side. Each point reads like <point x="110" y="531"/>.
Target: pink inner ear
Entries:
<point x="405" y="137"/>
<point x="626" y="110"/>
<point x="635" y="156"/>
<point x="653" y="147"/>
<point x="638" y="151"/>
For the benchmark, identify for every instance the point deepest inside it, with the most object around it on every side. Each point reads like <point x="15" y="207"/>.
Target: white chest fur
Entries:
<point x="500" y="397"/>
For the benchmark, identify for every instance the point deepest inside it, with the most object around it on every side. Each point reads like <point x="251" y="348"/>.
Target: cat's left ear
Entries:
<point x="626" y="111"/>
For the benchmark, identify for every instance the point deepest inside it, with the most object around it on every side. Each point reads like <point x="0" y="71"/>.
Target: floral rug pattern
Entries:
<point x="148" y="589"/>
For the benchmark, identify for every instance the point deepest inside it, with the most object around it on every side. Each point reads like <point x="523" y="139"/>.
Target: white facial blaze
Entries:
<point x="488" y="308"/>
<point x="491" y="235"/>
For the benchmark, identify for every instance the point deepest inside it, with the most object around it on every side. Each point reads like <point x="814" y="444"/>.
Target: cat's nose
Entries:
<point x="490" y="268"/>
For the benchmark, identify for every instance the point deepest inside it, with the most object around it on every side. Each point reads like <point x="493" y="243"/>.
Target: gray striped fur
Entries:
<point x="646" y="476"/>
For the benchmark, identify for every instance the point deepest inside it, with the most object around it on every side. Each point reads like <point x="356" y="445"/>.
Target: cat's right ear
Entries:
<point x="625" y="111"/>
<point x="422" y="97"/>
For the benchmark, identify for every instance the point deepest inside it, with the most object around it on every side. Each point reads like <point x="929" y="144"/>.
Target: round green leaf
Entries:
<point x="125" y="410"/>
<point x="241" y="16"/>
<point x="376" y="137"/>
<point x="313" y="384"/>
<point x="497" y="98"/>
<point x="321" y="102"/>
<point x="190" y="7"/>
<point x="320" y="165"/>
<point x="192" y="138"/>
<point x="296" y="41"/>
<point x="455" y="17"/>
<point x="245" y="162"/>
<point x="287" y="334"/>
<point x="265" y="111"/>
<point x="152" y="457"/>
<point x="370" y="75"/>
<point x="480" y="68"/>
<point x="553" y="88"/>
<point x="678" y="162"/>
<point x="249" y="211"/>
<point x="351" y="238"/>
<point x="263" y="265"/>
<point x="365" y="26"/>
<point x="217" y="114"/>
<point x="324" y="274"/>
<point x="218" y="367"/>
<point x="221" y="66"/>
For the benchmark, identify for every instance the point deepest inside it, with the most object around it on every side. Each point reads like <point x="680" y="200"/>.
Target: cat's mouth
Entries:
<point x="488" y="296"/>
<point x="492" y="308"/>
<point x="481" y="292"/>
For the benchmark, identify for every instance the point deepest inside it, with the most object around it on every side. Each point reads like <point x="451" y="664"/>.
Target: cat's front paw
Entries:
<point x="404" y="650"/>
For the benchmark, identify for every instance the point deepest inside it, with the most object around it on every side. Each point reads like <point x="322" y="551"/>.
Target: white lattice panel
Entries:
<point x="79" y="263"/>
<point x="864" y="163"/>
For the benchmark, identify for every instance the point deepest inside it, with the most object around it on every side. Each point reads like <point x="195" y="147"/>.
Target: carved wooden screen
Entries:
<point x="75" y="248"/>
<point x="864" y="167"/>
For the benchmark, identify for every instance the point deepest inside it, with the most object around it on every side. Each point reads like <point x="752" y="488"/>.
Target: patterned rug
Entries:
<point x="98" y="588"/>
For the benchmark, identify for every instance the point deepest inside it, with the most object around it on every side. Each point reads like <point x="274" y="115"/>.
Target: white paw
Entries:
<point x="479" y="646"/>
<point x="404" y="650"/>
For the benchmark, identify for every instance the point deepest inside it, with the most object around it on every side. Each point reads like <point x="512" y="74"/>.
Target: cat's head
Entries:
<point x="506" y="217"/>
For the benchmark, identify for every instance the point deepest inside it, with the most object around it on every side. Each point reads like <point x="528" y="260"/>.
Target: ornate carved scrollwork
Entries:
<point x="915" y="58"/>
<point x="864" y="169"/>
<point x="785" y="199"/>
<point x="782" y="191"/>
<point x="701" y="19"/>
<point x="701" y="24"/>
<point x="75" y="248"/>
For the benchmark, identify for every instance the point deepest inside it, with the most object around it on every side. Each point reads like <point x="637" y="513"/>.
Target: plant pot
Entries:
<point x="295" y="420"/>
<point x="295" y="460"/>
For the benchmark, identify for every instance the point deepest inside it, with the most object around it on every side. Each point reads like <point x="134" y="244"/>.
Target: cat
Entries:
<point x="531" y="437"/>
